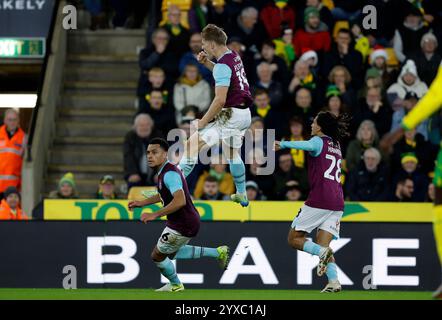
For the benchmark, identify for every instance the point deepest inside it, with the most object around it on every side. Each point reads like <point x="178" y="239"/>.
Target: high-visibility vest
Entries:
<point x="11" y="158"/>
<point x="7" y="214"/>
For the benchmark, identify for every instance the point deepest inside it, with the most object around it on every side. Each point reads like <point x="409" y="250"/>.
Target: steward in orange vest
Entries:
<point x="12" y="146"/>
<point x="10" y="206"/>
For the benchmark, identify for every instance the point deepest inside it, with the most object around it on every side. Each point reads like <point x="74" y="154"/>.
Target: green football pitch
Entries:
<point x="197" y="294"/>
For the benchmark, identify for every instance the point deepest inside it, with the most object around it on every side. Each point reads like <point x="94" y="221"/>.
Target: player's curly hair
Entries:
<point x="336" y="127"/>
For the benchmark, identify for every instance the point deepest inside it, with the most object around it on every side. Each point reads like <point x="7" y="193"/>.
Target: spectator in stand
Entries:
<point x="311" y="57"/>
<point x="303" y="106"/>
<point x="286" y="171"/>
<point x="366" y="138"/>
<point x="408" y="81"/>
<point x="136" y="171"/>
<point x="296" y="128"/>
<point x="106" y="188"/>
<point x="218" y="171"/>
<point x="66" y="188"/>
<point x="158" y="54"/>
<point x="375" y="109"/>
<point x="219" y="15"/>
<point x="12" y="148"/>
<point x="431" y="193"/>
<point x="249" y="30"/>
<point x="292" y="191"/>
<point x="211" y="190"/>
<point x="302" y="77"/>
<point x="334" y="102"/>
<point x="414" y="142"/>
<point x="368" y="182"/>
<point x="189" y="57"/>
<point x="284" y="47"/>
<point x="191" y="89"/>
<point x="315" y="34"/>
<point x="427" y="59"/>
<point x="277" y="64"/>
<point x="341" y="78"/>
<point x="275" y="15"/>
<point x="156" y="80"/>
<point x="343" y="54"/>
<point x="324" y="12"/>
<point x="263" y="108"/>
<point x="199" y="15"/>
<point x="128" y="14"/>
<point x="253" y="192"/>
<point x="10" y="205"/>
<point x="274" y="88"/>
<point x="409" y="102"/>
<point x="410" y="170"/>
<point x="161" y="113"/>
<point x="407" y="37"/>
<point x="403" y="192"/>
<point x="265" y="182"/>
<point x="378" y="62"/>
<point x="361" y="42"/>
<point x="179" y="35"/>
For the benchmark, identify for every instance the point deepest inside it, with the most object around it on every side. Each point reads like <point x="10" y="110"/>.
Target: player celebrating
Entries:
<point x="325" y="204"/>
<point x="183" y="220"/>
<point x="430" y="103"/>
<point x="229" y="109"/>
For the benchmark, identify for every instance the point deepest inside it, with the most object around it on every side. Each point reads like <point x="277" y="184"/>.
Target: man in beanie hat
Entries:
<point x="10" y="205"/>
<point x="315" y="34"/>
<point x="427" y="59"/>
<point x="66" y="188"/>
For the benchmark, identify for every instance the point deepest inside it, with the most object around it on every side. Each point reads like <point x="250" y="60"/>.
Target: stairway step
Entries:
<point x="96" y="72"/>
<point x="68" y="128"/>
<point x="96" y="58"/>
<point x="81" y="176"/>
<point x="88" y="141"/>
<point x="96" y="112"/>
<point x="89" y="169"/>
<point x="107" y="101"/>
<point x="86" y="85"/>
<point x="86" y="188"/>
<point x="81" y="157"/>
<point x="105" y="41"/>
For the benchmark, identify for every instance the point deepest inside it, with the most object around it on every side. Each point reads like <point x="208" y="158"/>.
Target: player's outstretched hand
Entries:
<point x="202" y="57"/>
<point x="277" y="145"/>
<point x="134" y="204"/>
<point x="146" y="217"/>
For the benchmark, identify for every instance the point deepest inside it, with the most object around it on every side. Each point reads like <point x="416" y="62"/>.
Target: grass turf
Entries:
<point x="199" y="294"/>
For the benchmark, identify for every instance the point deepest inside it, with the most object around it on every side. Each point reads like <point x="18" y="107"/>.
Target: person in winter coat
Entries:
<point x="191" y="89"/>
<point x="408" y="81"/>
<point x="275" y="15"/>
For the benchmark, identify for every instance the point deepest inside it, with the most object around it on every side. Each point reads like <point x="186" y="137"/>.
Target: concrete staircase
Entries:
<point x="97" y="107"/>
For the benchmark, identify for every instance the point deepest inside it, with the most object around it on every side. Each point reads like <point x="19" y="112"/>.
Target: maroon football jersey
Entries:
<point x="324" y="173"/>
<point x="239" y="90"/>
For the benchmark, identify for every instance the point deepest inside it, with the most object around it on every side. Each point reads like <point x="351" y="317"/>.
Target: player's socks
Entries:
<point x="332" y="271"/>
<point x="313" y="248"/>
<point x="187" y="164"/>
<point x="194" y="252"/>
<point x="238" y="171"/>
<point x="168" y="270"/>
<point x="437" y="229"/>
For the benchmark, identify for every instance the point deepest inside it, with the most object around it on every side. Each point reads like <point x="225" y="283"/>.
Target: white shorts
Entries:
<point x="231" y="132"/>
<point x="310" y="218"/>
<point x="171" y="241"/>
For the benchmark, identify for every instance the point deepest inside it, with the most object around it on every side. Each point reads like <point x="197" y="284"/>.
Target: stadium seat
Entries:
<point x="184" y="6"/>
<point x="339" y="25"/>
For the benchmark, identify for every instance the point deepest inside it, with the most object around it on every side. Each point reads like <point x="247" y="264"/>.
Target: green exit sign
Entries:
<point x="22" y="47"/>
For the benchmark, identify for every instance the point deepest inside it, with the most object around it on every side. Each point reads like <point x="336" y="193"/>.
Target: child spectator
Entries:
<point x="10" y="205"/>
<point x="106" y="188"/>
<point x="66" y="188"/>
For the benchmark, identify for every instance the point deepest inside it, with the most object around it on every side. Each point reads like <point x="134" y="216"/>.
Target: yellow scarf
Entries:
<point x="262" y="112"/>
<point x="410" y="143"/>
<point x="184" y="80"/>
<point x="298" y="155"/>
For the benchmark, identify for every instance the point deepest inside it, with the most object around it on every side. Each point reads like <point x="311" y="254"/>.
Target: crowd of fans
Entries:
<point x="300" y="57"/>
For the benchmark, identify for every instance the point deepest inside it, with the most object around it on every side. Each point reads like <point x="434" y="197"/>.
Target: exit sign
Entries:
<point x="22" y="47"/>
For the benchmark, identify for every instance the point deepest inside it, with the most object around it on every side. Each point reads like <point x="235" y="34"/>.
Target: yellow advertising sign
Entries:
<point x="229" y="211"/>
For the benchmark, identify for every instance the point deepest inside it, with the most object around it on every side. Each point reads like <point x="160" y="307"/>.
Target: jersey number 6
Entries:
<point x="334" y="163"/>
